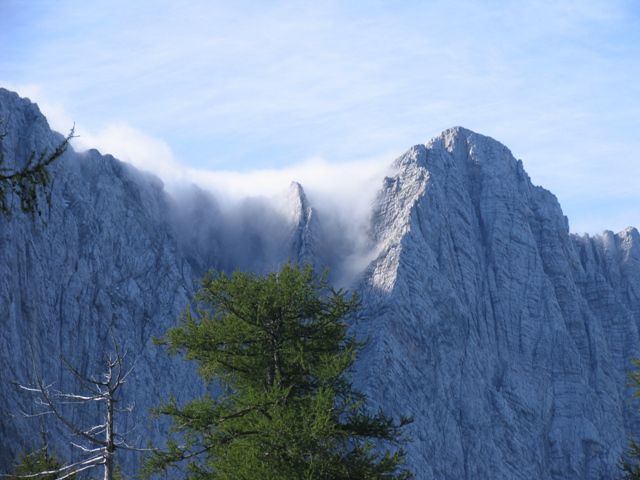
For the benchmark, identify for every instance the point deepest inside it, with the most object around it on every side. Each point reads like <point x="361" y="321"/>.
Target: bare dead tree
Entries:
<point x="30" y="181"/>
<point x="96" y="444"/>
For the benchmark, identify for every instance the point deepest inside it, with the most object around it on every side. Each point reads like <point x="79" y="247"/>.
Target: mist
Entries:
<point x="313" y="212"/>
<point x="249" y="219"/>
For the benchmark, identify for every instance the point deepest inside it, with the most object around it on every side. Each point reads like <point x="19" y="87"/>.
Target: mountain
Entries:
<point x="114" y="259"/>
<point x="506" y="337"/>
<point x="102" y="261"/>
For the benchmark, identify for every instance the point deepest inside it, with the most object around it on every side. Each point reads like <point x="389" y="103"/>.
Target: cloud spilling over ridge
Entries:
<point x="349" y="185"/>
<point x="594" y="194"/>
<point x="342" y="190"/>
<point x="341" y="193"/>
<point x="257" y="204"/>
<point x="245" y="217"/>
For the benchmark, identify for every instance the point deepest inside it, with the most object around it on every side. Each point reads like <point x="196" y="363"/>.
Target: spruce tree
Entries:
<point x="277" y="352"/>
<point x="630" y="461"/>
<point x="29" y="182"/>
<point x="39" y="465"/>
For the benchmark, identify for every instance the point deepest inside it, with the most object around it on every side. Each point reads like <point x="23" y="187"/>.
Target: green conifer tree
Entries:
<point x="39" y="465"/>
<point x="630" y="462"/>
<point x="277" y="350"/>
<point x="29" y="182"/>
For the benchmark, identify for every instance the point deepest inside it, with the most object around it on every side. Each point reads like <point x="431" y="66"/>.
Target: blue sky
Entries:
<point x="320" y="89"/>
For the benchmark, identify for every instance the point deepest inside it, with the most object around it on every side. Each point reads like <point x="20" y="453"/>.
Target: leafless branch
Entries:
<point x="87" y="450"/>
<point x="79" y="398"/>
<point x="97" y="428"/>
<point x="67" y="475"/>
<point x="33" y="415"/>
<point x="61" y="470"/>
<point x="102" y="440"/>
<point x="125" y="446"/>
<point x="88" y="382"/>
<point x="75" y="430"/>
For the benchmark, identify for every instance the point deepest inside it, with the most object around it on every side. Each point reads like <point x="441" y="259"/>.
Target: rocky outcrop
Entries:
<point x="506" y="337"/>
<point x="100" y="262"/>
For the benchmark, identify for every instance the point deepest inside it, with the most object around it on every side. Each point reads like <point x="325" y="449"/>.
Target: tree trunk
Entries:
<point x="273" y="367"/>
<point x="108" y="457"/>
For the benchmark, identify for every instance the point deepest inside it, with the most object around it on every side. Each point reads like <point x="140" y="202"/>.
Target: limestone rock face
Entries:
<point x="113" y="257"/>
<point x="100" y="262"/>
<point x="506" y="337"/>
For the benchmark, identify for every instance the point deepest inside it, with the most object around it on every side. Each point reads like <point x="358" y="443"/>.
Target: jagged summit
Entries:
<point x="10" y="96"/>
<point x="296" y="202"/>
<point x="457" y="132"/>
<point x="15" y="104"/>
<point x="26" y="129"/>
<point x="480" y="149"/>
<point x="305" y="233"/>
<point x="453" y="135"/>
<point x="627" y="232"/>
<point x="22" y="114"/>
<point x="296" y="188"/>
<point x="457" y="174"/>
<point x="492" y="306"/>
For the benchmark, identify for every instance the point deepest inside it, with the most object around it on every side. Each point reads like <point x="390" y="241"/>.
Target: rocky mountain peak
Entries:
<point x="26" y="129"/>
<point x="296" y="203"/>
<point x="305" y="232"/>
<point x="490" y="304"/>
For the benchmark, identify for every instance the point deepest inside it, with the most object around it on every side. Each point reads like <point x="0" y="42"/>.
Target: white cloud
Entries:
<point x="55" y="112"/>
<point x="345" y="189"/>
<point x="132" y="145"/>
<point x="121" y="140"/>
<point x="348" y="185"/>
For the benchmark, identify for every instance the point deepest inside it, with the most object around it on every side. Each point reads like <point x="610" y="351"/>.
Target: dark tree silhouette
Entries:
<point x="28" y="183"/>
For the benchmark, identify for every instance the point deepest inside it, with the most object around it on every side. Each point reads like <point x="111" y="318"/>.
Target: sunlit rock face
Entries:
<point x="504" y="336"/>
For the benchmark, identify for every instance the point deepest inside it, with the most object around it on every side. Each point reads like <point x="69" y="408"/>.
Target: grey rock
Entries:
<point x="101" y="262"/>
<point x="113" y="259"/>
<point x="506" y="337"/>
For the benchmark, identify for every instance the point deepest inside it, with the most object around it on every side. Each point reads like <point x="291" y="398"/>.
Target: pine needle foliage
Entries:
<point x="38" y="465"/>
<point x="630" y="462"/>
<point x="29" y="183"/>
<point x="278" y="351"/>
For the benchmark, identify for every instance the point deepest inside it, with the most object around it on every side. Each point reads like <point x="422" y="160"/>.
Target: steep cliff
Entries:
<point x="112" y="257"/>
<point x="503" y="335"/>
<point x="100" y="262"/>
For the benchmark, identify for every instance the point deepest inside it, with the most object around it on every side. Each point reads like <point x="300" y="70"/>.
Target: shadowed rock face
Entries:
<point x="503" y="335"/>
<point x="114" y="255"/>
<point x="102" y="259"/>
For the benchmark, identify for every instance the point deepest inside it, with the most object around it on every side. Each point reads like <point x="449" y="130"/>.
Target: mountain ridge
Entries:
<point x="506" y="337"/>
